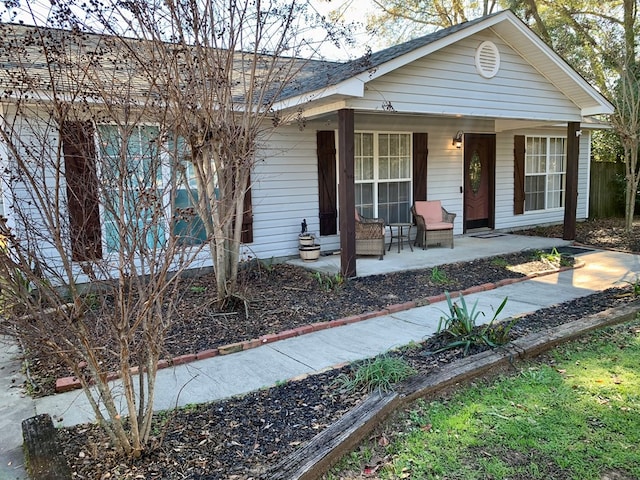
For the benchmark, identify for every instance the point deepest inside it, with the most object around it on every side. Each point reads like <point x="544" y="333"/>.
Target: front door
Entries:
<point x="479" y="180"/>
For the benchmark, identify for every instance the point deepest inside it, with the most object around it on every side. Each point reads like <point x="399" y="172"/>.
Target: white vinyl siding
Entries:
<point x="447" y="83"/>
<point x="21" y="200"/>
<point x="284" y="191"/>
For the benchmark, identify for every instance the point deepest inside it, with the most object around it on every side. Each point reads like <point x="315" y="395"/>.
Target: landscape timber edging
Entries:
<point x="326" y="448"/>
<point x="66" y="384"/>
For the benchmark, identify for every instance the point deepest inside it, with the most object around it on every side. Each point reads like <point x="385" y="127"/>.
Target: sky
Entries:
<point x="354" y="12"/>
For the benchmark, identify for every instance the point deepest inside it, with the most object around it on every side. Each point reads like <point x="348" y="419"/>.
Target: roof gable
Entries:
<point x="348" y="79"/>
<point x="448" y="82"/>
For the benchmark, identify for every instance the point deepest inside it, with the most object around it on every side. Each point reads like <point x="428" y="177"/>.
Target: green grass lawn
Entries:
<point x="573" y="415"/>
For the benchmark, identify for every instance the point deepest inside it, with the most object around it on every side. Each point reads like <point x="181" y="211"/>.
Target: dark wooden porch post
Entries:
<point x="571" y="185"/>
<point x="346" y="188"/>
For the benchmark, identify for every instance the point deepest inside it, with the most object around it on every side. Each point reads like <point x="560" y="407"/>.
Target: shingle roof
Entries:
<point x="36" y="60"/>
<point x="22" y="56"/>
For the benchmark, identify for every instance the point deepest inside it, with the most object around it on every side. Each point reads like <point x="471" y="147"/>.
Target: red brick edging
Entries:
<point x="66" y="384"/>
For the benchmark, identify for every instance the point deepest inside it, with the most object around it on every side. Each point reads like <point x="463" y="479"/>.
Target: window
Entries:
<point x="150" y="201"/>
<point x="187" y="225"/>
<point x="133" y="203"/>
<point x="383" y="175"/>
<point x="545" y="168"/>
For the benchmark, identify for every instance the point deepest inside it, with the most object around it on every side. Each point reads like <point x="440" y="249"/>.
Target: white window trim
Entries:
<point x="376" y="156"/>
<point x="546" y="174"/>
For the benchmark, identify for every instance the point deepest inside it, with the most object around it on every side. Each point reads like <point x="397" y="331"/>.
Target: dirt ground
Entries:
<point x="243" y="437"/>
<point x="600" y="232"/>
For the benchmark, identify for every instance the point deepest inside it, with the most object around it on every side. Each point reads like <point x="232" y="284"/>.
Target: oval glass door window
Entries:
<point x="475" y="172"/>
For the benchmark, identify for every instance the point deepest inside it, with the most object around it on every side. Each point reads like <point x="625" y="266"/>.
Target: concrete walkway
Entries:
<point x="15" y="406"/>
<point x="224" y="376"/>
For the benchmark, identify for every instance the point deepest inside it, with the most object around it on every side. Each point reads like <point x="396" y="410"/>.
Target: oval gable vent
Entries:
<point x="487" y="59"/>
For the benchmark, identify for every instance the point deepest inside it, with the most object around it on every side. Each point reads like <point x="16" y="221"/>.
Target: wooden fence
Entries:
<point x="606" y="199"/>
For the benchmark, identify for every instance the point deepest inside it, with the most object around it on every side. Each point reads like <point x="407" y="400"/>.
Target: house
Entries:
<point x="483" y="116"/>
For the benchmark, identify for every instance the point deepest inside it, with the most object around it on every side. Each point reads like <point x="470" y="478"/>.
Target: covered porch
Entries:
<point x="481" y="116"/>
<point x="468" y="247"/>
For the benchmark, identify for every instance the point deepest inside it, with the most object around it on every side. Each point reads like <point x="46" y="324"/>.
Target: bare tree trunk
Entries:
<point x="631" y="188"/>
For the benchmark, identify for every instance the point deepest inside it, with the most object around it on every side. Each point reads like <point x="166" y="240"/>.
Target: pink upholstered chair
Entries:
<point x="369" y="236"/>
<point x="435" y="224"/>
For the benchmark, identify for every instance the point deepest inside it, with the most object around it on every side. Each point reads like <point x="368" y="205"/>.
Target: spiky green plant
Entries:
<point x="460" y="324"/>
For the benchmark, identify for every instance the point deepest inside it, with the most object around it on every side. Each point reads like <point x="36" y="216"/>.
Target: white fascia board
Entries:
<point x="353" y="87"/>
<point x="512" y="125"/>
<point x="316" y="111"/>
<point x="349" y="88"/>
<point x="591" y="111"/>
<point x="506" y="125"/>
<point x="596" y="126"/>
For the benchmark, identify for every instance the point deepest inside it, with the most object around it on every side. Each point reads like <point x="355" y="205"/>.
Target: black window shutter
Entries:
<point x="82" y="190"/>
<point x="420" y="154"/>
<point x="327" y="182"/>
<point x="247" y="217"/>
<point x="518" y="174"/>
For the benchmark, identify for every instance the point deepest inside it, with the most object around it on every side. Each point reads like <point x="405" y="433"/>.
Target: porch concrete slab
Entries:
<point x="466" y="248"/>
<point x="351" y="342"/>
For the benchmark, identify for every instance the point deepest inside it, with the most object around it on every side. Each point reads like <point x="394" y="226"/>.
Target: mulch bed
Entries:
<point x="600" y="232"/>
